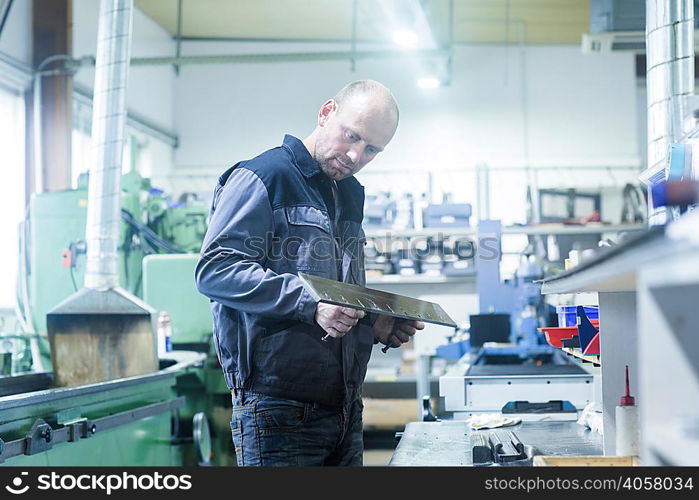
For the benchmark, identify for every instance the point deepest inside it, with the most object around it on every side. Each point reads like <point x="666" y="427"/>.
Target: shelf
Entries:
<point x="595" y="360"/>
<point x="419" y="280"/>
<point x="554" y="228"/>
<point x="614" y="269"/>
<point x="563" y="229"/>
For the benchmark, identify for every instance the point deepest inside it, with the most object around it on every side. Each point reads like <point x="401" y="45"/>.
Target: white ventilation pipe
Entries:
<point x="669" y="82"/>
<point x="108" y="119"/>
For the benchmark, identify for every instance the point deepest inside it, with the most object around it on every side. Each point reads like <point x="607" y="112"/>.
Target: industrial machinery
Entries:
<point x="127" y="421"/>
<point x="53" y="246"/>
<point x="89" y="386"/>
<point x="514" y="365"/>
<point x="157" y="245"/>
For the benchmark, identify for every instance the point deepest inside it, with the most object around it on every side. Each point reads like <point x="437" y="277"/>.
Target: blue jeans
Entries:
<point x="270" y="431"/>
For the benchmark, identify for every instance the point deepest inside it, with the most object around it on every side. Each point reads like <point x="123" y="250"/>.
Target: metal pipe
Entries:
<point x="108" y="119"/>
<point x="354" y="35"/>
<point x="178" y="37"/>
<point x="138" y="122"/>
<point x="669" y="81"/>
<point x="37" y="140"/>
<point x="450" y="59"/>
<point x="5" y="14"/>
<point x="289" y="57"/>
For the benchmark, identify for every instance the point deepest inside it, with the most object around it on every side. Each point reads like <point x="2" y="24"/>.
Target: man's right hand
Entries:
<point x="337" y="320"/>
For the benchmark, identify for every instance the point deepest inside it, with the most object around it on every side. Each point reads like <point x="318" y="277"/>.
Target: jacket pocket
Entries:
<point x="309" y="245"/>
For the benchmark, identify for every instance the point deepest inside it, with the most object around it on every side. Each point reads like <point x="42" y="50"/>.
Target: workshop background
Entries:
<point x="524" y="124"/>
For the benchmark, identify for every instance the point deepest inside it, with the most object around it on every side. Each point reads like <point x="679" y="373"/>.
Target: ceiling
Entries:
<point x="474" y="21"/>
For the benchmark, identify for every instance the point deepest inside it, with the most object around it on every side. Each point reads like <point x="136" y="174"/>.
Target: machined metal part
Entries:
<point x="519" y="445"/>
<point x="480" y="449"/>
<point x="374" y="301"/>
<point x="506" y="446"/>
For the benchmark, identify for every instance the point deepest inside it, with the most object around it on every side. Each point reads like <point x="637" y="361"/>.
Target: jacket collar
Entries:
<point x="351" y="191"/>
<point x="303" y="159"/>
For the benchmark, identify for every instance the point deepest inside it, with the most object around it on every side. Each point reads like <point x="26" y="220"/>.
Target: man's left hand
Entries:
<point x="394" y="332"/>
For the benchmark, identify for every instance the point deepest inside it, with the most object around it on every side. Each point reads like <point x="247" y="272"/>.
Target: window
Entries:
<point x="11" y="189"/>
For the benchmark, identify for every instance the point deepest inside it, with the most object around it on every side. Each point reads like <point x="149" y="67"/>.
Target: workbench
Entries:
<point x="648" y="290"/>
<point x="448" y="443"/>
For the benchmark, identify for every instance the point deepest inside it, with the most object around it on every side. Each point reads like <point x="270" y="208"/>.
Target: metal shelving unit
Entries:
<point x="647" y="291"/>
<point x="576" y="353"/>
<point x="562" y="229"/>
<point x="419" y="279"/>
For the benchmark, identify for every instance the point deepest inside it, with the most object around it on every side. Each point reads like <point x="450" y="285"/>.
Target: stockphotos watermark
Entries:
<point x="273" y="248"/>
<point x="107" y="483"/>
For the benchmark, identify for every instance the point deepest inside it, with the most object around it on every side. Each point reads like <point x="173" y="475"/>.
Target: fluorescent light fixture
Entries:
<point x="406" y="38"/>
<point x="428" y="82"/>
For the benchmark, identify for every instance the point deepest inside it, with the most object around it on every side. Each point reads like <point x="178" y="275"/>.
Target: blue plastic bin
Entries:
<point x="566" y="314"/>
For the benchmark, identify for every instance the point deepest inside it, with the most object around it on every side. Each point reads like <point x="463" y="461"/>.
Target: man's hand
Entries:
<point x="394" y="332"/>
<point x="336" y="320"/>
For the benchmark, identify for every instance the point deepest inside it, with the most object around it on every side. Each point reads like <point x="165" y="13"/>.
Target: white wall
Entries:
<point x="150" y="92"/>
<point x="151" y="88"/>
<point x="546" y="106"/>
<point x="16" y="37"/>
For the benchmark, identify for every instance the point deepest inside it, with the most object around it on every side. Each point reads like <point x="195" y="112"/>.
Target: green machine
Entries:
<point x="131" y="421"/>
<point x="168" y="285"/>
<point x="172" y="407"/>
<point x="55" y="232"/>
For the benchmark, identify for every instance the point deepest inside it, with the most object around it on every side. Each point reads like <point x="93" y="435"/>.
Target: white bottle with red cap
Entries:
<point x="627" y="426"/>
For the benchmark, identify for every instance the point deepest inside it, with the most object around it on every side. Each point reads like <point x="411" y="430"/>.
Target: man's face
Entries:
<point x="350" y="137"/>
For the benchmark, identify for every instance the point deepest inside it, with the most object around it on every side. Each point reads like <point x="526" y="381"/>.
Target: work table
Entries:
<point x="447" y="443"/>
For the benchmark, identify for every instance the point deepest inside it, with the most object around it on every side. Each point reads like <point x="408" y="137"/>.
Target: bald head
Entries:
<point x="371" y="90"/>
<point x="353" y="127"/>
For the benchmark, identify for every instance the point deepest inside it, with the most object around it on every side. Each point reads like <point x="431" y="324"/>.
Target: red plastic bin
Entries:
<point x="554" y="334"/>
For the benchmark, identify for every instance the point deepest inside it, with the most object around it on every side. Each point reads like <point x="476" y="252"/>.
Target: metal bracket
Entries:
<point x="80" y="430"/>
<point x="39" y="438"/>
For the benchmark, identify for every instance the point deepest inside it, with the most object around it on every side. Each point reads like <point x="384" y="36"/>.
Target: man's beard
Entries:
<point x="326" y="164"/>
<point x="331" y="170"/>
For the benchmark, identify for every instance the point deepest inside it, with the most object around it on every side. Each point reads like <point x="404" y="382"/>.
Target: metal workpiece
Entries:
<point x="450" y="442"/>
<point x="374" y="301"/>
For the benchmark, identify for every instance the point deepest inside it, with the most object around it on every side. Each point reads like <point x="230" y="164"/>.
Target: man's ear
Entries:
<point x="326" y="110"/>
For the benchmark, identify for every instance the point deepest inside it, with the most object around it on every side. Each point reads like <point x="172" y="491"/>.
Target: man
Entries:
<point x="295" y="367"/>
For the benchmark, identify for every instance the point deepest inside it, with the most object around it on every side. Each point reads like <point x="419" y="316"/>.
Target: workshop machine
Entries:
<point x="510" y="367"/>
<point x="91" y="388"/>
<point x="127" y="421"/>
<point x="159" y="238"/>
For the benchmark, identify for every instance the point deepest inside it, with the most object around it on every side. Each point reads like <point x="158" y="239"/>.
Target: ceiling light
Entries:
<point x="406" y="38"/>
<point x="429" y="82"/>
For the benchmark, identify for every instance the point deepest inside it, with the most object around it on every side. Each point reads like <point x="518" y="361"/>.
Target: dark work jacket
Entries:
<point x="270" y="220"/>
